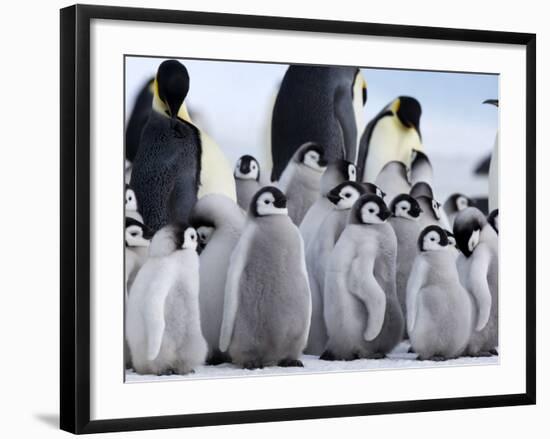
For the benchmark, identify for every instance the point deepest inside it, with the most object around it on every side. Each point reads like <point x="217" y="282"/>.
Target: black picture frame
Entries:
<point x="75" y="217"/>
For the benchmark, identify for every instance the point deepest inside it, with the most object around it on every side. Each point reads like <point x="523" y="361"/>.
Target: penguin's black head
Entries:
<point x="459" y="202"/>
<point x="204" y="228"/>
<point x="451" y="238"/>
<point x="371" y="209"/>
<point x="136" y="234"/>
<point x="347" y="170"/>
<point x="371" y="188"/>
<point x="467" y="229"/>
<point x="493" y="220"/>
<point x="172" y="85"/>
<point x="186" y="237"/>
<point x="409" y="112"/>
<point x="130" y="199"/>
<point x="247" y="168"/>
<point x="268" y="201"/>
<point x="312" y="155"/>
<point x="359" y="86"/>
<point x="405" y="206"/>
<point x="433" y="238"/>
<point x="421" y="188"/>
<point x="346" y="194"/>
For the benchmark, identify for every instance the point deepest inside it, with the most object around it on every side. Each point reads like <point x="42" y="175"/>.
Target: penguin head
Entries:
<point x="349" y="171"/>
<point x="493" y="220"/>
<point x="405" y="206"/>
<point x="359" y="87"/>
<point x="421" y="189"/>
<point x="204" y="234"/>
<point x="467" y="229"/>
<point x="312" y="155"/>
<point x="371" y="188"/>
<point x="457" y="202"/>
<point x="171" y="88"/>
<point x="186" y="238"/>
<point x="371" y="209"/>
<point x="130" y="200"/>
<point x="268" y="201"/>
<point x="434" y="205"/>
<point x="408" y="111"/>
<point x="346" y="194"/>
<point x="136" y="234"/>
<point x="433" y="238"/>
<point x="247" y="168"/>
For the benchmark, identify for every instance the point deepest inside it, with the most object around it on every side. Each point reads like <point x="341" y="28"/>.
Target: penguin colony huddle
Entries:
<point x="345" y="253"/>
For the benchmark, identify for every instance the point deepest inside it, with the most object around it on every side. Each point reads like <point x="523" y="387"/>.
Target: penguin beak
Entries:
<point x="333" y="198"/>
<point x="415" y="212"/>
<point x="280" y="201"/>
<point x="384" y="215"/>
<point x="323" y="163"/>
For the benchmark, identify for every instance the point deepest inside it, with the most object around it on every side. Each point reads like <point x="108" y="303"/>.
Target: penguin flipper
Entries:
<point x="479" y="285"/>
<point x="343" y="109"/>
<point x="231" y="299"/>
<point x="415" y="282"/>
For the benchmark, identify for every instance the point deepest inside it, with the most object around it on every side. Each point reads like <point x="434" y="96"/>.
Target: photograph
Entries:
<point x="298" y="218"/>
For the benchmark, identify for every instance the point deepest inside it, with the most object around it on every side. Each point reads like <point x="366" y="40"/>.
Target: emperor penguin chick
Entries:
<point x="336" y="172"/>
<point x="247" y="180"/>
<point x="318" y="252"/>
<point x="137" y="237"/>
<point x="478" y="269"/>
<point x="223" y="221"/>
<point x="267" y="305"/>
<point x="439" y="309"/>
<point x="421" y="168"/>
<point x="405" y="213"/>
<point x="362" y="312"/>
<point x="163" y="325"/>
<point x="393" y="180"/>
<point x="301" y="179"/>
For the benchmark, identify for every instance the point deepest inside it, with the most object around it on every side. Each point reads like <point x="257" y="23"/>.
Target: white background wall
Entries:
<point x="29" y="219"/>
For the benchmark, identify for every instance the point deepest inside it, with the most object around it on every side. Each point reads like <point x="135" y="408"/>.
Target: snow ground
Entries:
<point x="398" y="359"/>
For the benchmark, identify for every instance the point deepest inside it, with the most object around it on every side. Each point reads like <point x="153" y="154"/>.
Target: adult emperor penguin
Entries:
<point x="163" y="325"/>
<point x="301" y="179"/>
<point x="137" y="237"/>
<point x="247" y="180"/>
<point x="138" y="119"/>
<point x="454" y="204"/>
<point x="439" y="309"/>
<point x="318" y="252"/>
<point x="392" y="135"/>
<point x="166" y="173"/>
<point x="267" y="305"/>
<point x="405" y="213"/>
<point x="478" y="269"/>
<point x="224" y="221"/>
<point x="317" y="104"/>
<point x="131" y="204"/>
<point x="393" y="180"/>
<point x="362" y="312"/>
<point x="420" y="168"/>
<point x="493" y="168"/>
<point x="336" y="172"/>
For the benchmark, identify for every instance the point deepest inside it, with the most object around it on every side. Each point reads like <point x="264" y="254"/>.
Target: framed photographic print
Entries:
<point x="268" y="218"/>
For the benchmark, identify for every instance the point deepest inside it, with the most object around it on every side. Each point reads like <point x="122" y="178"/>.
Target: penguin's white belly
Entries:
<point x="216" y="172"/>
<point x="390" y="140"/>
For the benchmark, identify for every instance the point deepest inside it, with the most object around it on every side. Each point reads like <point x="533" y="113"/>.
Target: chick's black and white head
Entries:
<point x="247" y="168"/>
<point x="171" y="87"/>
<point x="458" y="202"/>
<point x="130" y="200"/>
<point x="371" y="188"/>
<point x="433" y="238"/>
<point x="186" y="238"/>
<point x="405" y="206"/>
<point x="467" y="229"/>
<point x="268" y="201"/>
<point x="136" y="234"/>
<point x="345" y="194"/>
<point x="312" y="155"/>
<point x="371" y="209"/>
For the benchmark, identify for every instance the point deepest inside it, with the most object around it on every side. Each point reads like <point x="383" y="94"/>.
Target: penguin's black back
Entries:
<point x="314" y="104"/>
<point x="166" y="171"/>
<point x="138" y="119"/>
